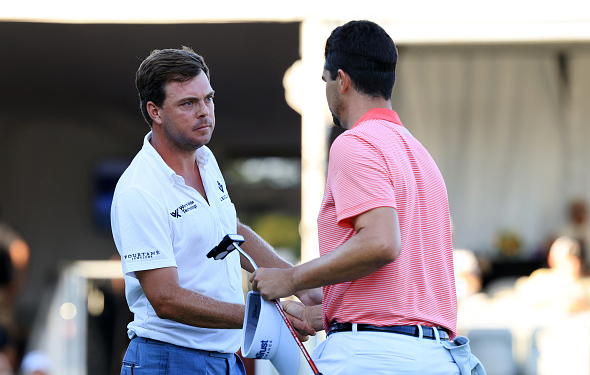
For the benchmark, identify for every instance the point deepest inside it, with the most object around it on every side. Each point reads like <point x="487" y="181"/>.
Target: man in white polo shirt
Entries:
<point x="170" y="208"/>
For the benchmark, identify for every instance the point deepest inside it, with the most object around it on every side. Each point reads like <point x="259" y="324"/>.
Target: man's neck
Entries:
<point x="362" y="104"/>
<point x="182" y="162"/>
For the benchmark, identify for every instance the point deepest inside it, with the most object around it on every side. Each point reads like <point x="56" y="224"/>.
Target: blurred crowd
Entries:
<point x="561" y="285"/>
<point x="526" y="320"/>
<point x="14" y="264"/>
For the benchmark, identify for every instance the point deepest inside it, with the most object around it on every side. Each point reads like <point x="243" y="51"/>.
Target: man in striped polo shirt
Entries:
<point x="389" y="303"/>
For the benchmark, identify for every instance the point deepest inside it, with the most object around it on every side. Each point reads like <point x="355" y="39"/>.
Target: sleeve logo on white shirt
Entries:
<point x="184" y="209"/>
<point x="220" y="186"/>
<point x="142" y="256"/>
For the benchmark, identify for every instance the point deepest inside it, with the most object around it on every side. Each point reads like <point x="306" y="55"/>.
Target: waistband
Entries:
<point x="145" y="340"/>
<point x="427" y="332"/>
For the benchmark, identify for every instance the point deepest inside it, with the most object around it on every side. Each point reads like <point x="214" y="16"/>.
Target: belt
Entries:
<point x="427" y="332"/>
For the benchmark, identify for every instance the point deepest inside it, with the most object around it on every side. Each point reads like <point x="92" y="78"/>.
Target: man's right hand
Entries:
<point x="307" y="320"/>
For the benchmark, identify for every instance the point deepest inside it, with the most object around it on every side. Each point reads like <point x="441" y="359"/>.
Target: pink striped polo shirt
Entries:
<point x="378" y="163"/>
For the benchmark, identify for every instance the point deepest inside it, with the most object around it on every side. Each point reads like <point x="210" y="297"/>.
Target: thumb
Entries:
<point x="294" y="308"/>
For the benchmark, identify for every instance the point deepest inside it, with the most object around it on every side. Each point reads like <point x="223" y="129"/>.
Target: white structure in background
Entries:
<point x="60" y="329"/>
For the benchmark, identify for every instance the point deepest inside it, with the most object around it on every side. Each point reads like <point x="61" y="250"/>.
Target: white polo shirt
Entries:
<point x="158" y="221"/>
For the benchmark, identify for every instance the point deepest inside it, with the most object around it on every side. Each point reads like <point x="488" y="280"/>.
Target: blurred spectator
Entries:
<point x="578" y="228"/>
<point x="468" y="278"/>
<point x="35" y="363"/>
<point x="8" y="357"/>
<point x="557" y="290"/>
<point x="5" y="367"/>
<point x="18" y="251"/>
<point x="14" y="260"/>
<point x="473" y="305"/>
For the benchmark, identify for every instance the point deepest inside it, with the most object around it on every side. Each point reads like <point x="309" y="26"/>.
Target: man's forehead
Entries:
<point x="198" y="86"/>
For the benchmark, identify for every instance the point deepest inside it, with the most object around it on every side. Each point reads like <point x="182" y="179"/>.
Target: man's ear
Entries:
<point x="154" y="111"/>
<point x="345" y="82"/>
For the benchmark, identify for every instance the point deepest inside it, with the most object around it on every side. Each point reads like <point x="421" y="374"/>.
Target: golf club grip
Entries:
<point x="292" y="330"/>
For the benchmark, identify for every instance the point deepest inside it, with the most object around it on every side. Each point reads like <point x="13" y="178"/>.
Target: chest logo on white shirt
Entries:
<point x="224" y="196"/>
<point x="184" y="209"/>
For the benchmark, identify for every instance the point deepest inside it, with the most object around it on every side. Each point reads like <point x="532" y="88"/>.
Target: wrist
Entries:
<point x="315" y="318"/>
<point x="292" y="277"/>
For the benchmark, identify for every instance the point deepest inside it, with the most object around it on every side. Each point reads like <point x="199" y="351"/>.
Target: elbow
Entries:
<point x="389" y="251"/>
<point x="162" y="307"/>
<point x="392" y="253"/>
<point x="161" y="310"/>
<point x="397" y="249"/>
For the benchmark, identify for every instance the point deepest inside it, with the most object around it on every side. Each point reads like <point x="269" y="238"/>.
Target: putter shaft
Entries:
<point x="285" y="319"/>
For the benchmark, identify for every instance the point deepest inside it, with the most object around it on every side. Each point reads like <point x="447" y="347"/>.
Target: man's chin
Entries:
<point x="203" y="136"/>
<point x="193" y="144"/>
<point x="202" y="142"/>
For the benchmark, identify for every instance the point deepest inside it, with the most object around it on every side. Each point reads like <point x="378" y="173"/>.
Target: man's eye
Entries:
<point x="189" y="103"/>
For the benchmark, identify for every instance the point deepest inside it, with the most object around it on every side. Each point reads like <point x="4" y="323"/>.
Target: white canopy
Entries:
<point x="455" y="21"/>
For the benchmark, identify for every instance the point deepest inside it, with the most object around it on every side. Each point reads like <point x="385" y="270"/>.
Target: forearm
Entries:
<point x="351" y="261"/>
<point x="375" y="244"/>
<point x="173" y="302"/>
<point x="261" y="252"/>
<point x="195" y="309"/>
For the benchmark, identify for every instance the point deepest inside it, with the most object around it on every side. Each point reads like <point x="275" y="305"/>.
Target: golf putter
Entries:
<point x="232" y="242"/>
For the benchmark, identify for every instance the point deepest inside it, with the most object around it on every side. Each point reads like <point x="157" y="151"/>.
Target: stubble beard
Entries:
<point x="336" y="120"/>
<point x="338" y="108"/>
<point x="184" y="143"/>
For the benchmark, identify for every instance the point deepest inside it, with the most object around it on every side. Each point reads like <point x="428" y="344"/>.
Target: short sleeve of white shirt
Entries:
<point x="142" y="232"/>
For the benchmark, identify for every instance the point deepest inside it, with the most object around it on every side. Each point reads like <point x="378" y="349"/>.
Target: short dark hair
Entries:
<point x="160" y="68"/>
<point x="367" y="53"/>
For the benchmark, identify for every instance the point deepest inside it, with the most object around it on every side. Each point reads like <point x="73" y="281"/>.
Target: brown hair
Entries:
<point x="160" y="68"/>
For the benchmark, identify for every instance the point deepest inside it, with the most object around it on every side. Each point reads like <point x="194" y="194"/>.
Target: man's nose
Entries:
<point x="202" y="109"/>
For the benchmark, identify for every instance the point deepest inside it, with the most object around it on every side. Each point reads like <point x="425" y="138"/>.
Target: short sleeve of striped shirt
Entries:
<point x="359" y="176"/>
